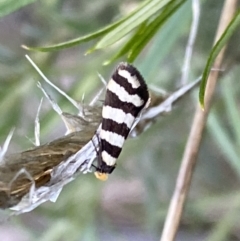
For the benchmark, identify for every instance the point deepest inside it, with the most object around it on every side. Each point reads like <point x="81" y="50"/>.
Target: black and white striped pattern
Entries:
<point x="126" y="96"/>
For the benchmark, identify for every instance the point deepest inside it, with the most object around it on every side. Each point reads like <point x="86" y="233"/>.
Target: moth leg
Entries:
<point x="97" y="150"/>
<point x="90" y="164"/>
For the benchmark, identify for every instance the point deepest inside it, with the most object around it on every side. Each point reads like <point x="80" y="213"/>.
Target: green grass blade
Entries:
<point x="129" y="44"/>
<point x="144" y="34"/>
<point x="214" y="53"/>
<point x="152" y="28"/>
<point x="76" y="41"/>
<point x="85" y="38"/>
<point x="164" y="44"/>
<point x="131" y="23"/>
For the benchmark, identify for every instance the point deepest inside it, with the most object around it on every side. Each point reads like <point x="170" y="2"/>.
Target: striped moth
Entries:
<point x="126" y="96"/>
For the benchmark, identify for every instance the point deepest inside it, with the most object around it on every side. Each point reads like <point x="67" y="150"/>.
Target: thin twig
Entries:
<point x="195" y="137"/>
<point x="167" y="104"/>
<point x="75" y="103"/>
<point x="37" y="125"/>
<point x="191" y="40"/>
<point x="4" y="149"/>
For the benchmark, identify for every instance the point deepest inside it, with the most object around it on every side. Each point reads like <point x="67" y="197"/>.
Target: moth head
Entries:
<point x="101" y="176"/>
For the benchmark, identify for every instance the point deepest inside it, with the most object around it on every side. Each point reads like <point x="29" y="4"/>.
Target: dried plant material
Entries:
<point x="37" y="126"/>
<point x="48" y="165"/>
<point x="32" y="177"/>
<point x="161" y="104"/>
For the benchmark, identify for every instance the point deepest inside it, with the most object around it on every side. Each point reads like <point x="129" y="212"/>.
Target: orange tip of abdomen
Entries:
<point x="101" y="176"/>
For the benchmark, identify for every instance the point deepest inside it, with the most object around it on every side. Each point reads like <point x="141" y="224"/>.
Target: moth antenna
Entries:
<point x="94" y="138"/>
<point x="98" y="175"/>
<point x="37" y="125"/>
<point x="75" y="103"/>
<point x="89" y="165"/>
<point x="95" y="146"/>
<point x="4" y="148"/>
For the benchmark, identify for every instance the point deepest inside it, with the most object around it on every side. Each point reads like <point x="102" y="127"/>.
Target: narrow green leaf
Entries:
<point x="86" y="38"/>
<point x="162" y="42"/>
<point x="214" y="53"/>
<point x="152" y="28"/>
<point x="131" y="23"/>
<point x="8" y="6"/>
<point x="75" y="41"/>
<point x="128" y="45"/>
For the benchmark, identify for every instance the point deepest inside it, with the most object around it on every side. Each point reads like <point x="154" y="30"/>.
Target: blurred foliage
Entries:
<point x="147" y="18"/>
<point x="7" y="6"/>
<point x="132" y="205"/>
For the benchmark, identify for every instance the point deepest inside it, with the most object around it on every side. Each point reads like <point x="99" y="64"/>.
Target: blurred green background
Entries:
<point x="132" y="204"/>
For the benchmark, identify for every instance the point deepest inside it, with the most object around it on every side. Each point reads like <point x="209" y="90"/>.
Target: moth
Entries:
<point x="126" y="96"/>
